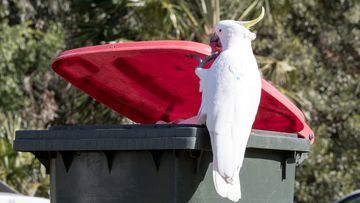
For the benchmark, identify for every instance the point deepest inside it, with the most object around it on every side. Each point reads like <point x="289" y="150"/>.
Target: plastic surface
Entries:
<point x="142" y="137"/>
<point x="155" y="80"/>
<point x="157" y="163"/>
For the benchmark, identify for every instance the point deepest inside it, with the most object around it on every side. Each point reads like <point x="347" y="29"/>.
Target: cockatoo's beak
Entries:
<point x="250" y="23"/>
<point x="215" y="42"/>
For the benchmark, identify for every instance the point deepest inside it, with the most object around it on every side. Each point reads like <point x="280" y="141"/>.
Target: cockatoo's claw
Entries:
<point x="208" y="59"/>
<point x="196" y="57"/>
<point x="203" y="62"/>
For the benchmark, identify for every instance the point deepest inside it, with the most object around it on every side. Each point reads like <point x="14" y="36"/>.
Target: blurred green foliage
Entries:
<point x="309" y="49"/>
<point x="26" y="101"/>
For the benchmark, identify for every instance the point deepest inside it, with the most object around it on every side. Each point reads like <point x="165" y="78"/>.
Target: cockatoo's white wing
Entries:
<point x="202" y="74"/>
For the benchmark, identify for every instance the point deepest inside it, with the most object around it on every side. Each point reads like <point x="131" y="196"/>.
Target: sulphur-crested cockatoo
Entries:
<point x="231" y="91"/>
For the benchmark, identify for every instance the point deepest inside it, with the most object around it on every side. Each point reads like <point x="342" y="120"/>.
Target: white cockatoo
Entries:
<point x="231" y="91"/>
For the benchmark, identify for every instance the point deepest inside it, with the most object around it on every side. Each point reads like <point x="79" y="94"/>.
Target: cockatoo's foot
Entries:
<point x="203" y="62"/>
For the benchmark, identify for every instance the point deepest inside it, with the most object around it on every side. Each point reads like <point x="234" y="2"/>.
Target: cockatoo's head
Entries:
<point x="228" y="32"/>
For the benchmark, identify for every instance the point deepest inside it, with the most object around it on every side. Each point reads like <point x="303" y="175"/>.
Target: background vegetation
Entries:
<point x="309" y="49"/>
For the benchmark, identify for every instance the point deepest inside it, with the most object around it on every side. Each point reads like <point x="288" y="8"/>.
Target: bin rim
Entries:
<point x="143" y="137"/>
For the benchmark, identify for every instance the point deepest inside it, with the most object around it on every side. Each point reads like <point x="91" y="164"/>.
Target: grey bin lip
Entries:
<point x="143" y="137"/>
<point x="349" y="197"/>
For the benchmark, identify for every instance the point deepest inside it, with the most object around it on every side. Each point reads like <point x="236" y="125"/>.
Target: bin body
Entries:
<point x="157" y="163"/>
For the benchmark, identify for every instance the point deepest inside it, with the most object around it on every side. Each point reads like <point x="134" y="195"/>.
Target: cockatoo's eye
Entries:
<point x="219" y="30"/>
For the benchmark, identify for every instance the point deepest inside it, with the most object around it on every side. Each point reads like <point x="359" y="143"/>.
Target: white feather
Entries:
<point x="230" y="98"/>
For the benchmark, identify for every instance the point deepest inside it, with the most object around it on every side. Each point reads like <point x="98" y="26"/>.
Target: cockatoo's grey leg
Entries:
<point x="203" y="62"/>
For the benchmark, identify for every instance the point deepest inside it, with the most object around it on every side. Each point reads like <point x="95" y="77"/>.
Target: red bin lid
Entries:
<point x="155" y="80"/>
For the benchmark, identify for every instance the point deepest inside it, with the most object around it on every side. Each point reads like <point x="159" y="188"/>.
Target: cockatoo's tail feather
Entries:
<point x="225" y="189"/>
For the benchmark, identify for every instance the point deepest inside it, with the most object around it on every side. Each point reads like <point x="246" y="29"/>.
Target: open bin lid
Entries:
<point x="155" y="80"/>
